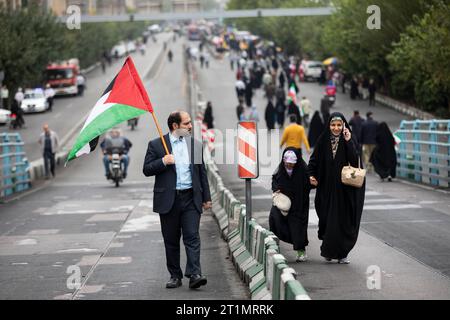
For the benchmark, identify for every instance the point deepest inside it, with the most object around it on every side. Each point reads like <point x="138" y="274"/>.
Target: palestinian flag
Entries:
<point x="125" y="98"/>
<point x="292" y="94"/>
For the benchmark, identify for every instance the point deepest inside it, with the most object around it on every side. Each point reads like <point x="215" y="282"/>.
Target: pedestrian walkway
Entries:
<point x="404" y="228"/>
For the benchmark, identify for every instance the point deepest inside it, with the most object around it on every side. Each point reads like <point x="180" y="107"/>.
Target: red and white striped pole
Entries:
<point x="248" y="166"/>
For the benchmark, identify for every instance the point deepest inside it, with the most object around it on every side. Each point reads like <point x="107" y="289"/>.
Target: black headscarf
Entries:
<point x="269" y="115"/>
<point x="384" y="157"/>
<point x="315" y="129"/>
<point x="293" y="228"/>
<point x="338" y="206"/>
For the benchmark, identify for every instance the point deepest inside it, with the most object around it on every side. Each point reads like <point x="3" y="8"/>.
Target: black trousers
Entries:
<point x="184" y="220"/>
<point x="49" y="160"/>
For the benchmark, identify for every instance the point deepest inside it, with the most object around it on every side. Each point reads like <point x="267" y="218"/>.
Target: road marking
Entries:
<point x="43" y="232"/>
<point x="391" y="207"/>
<point x="108" y="217"/>
<point x="115" y="260"/>
<point x="381" y="200"/>
<point x="26" y="242"/>
<point x="91" y="289"/>
<point x="401" y="221"/>
<point x="80" y="250"/>
<point x="145" y="223"/>
<point x="56" y="116"/>
<point x="89" y="260"/>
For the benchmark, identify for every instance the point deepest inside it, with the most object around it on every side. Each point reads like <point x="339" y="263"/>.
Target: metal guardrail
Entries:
<point x="14" y="166"/>
<point x="424" y="151"/>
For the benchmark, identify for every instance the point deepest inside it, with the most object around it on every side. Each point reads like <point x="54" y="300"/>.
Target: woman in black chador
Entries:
<point x="292" y="180"/>
<point x="384" y="157"/>
<point x="338" y="206"/>
<point x="315" y="129"/>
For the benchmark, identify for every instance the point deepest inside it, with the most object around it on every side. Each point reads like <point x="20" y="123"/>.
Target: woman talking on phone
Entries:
<point x="338" y="206"/>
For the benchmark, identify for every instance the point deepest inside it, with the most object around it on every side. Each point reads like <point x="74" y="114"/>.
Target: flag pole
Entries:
<point x="160" y="133"/>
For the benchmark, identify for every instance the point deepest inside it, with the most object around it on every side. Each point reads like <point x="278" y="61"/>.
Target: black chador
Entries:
<point x="293" y="227"/>
<point x="384" y="157"/>
<point x="338" y="206"/>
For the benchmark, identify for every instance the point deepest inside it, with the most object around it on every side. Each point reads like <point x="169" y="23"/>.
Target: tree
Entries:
<point x="361" y="50"/>
<point x="420" y="60"/>
<point x="29" y="40"/>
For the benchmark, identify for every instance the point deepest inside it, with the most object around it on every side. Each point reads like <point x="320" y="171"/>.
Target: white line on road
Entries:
<point x="401" y="221"/>
<point x="392" y="207"/>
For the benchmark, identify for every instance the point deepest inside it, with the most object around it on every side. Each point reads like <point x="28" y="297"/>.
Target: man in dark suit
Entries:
<point x="181" y="192"/>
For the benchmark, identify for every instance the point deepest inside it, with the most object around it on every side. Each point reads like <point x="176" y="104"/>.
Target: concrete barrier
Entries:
<point x="254" y="251"/>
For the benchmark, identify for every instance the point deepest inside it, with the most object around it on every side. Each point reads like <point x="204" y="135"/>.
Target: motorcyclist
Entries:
<point x="115" y="142"/>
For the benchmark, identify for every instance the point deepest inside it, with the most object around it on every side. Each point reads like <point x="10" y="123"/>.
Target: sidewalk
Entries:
<point x="404" y="231"/>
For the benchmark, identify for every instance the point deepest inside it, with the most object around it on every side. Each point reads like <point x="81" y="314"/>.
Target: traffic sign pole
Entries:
<point x="248" y="165"/>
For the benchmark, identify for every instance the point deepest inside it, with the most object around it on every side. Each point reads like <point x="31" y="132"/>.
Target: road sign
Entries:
<point x="247" y="150"/>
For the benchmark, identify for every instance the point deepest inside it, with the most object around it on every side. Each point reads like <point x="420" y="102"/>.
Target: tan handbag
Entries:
<point x="354" y="177"/>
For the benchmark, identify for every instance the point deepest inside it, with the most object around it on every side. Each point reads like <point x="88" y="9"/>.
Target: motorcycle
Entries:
<point x="330" y="94"/>
<point x="133" y="123"/>
<point x="115" y="167"/>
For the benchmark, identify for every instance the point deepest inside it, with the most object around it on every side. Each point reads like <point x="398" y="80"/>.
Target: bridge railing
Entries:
<point x="424" y="151"/>
<point x="14" y="166"/>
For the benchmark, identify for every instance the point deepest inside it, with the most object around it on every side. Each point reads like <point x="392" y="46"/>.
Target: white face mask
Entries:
<point x="289" y="171"/>
<point x="181" y="133"/>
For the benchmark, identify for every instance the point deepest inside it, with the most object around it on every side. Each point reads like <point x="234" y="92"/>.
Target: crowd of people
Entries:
<point x="331" y="140"/>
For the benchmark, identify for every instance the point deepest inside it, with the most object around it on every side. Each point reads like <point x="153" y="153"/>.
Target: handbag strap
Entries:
<point x="359" y="163"/>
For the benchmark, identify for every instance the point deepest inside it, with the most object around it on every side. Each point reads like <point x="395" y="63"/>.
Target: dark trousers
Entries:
<point x="184" y="220"/>
<point x="49" y="160"/>
<point x="50" y="103"/>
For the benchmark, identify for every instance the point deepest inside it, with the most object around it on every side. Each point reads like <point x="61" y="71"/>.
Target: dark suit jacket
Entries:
<point x="164" y="191"/>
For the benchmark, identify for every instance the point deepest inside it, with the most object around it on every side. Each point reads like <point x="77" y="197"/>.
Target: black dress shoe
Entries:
<point x="197" y="281"/>
<point x="173" y="283"/>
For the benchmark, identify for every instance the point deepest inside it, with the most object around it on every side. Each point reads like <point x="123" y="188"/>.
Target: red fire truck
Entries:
<point x="62" y="77"/>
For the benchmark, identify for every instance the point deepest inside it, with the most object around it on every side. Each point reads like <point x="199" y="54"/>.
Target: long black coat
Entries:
<point x="269" y="115"/>
<point x="384" y="157"/>
<point x="292" y="228"/>
<point x="316" y="128"/>
<point x="338" y="206"/>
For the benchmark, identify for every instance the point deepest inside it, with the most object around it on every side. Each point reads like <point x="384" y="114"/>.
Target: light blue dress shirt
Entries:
<point x="182" y="162"/>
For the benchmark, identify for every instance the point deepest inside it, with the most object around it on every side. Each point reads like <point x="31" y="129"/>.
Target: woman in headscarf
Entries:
<point x="315" y="129"/>
<point x="208" y="116"/>
<point x="338" y="206"/>
<point x="294" y="109"/>
<point x="269" y="115"/>
<point x="384" y="157"/>
<point x="292" y="180"/>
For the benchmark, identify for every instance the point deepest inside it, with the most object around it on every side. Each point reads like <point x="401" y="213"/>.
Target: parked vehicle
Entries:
<point x="312" y="70"/>
<point x="119" y="50"/>
<point x="5" y="116"/>
<point x="34" y="101"/>
<point x="62" y="77"/>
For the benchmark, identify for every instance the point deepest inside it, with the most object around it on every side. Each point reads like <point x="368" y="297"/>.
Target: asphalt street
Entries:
<point x="79" y="237"/>
<point x="405" y="228"/>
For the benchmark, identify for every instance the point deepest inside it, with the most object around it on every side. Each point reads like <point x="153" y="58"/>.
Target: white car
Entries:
<point x="131" y="47"/>
<point x="312" y="69"/>
<point x="155" y="28"/>
<point x="34" y="101"/>
<point x="4" y="116"/>
<point x="119" y="50"/>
